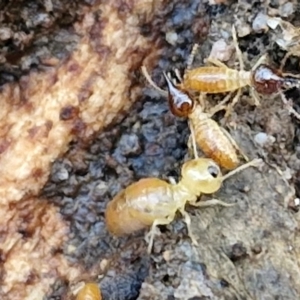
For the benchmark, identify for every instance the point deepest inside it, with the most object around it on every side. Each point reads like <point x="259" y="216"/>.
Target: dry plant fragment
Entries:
<point x="287" y="35"/>
<point x="39" y="116"/>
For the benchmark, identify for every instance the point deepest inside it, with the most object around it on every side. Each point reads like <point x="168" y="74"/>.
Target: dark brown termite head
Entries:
<point x="180" y="102"/>
<point x="267" y="80"/>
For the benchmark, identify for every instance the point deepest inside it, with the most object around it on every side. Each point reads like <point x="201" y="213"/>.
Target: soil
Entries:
<point x="247" y="251"/>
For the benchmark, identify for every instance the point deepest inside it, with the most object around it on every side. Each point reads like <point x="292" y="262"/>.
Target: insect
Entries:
<point x="152" y="202"/>
<point x="262" y="80"/>
<point x="214" y="141"/>
<point x="90" y="291"/>
<point x="219" y="78"/>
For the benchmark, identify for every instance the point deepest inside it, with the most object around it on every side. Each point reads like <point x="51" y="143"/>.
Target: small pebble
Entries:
<point x="221" y="51"/>
<point x="101" y="188"/>
<point x="5" y="33"/>
<point x="243" y="29"/>
<point x="287" y="173"/>
<point x="260" y="22"/>
<point x="129" y="144"/>
<point x="287" y="9"/>
<point x="262" y="139"/>
<point x="61" y="175"/>
<point x="171" y="37"/>
<point x="166" y="255"/>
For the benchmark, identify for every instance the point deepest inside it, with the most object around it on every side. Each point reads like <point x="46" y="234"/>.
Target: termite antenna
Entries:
<point x="237" y="48"/>
<point x="193" y="140"/>
<point x="253" y="163"/>
<point x="191" y="57"/>
<point x="152" y="83"/>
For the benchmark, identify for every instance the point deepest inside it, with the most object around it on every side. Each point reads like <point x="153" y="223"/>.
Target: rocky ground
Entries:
<point x="247" y="251"/>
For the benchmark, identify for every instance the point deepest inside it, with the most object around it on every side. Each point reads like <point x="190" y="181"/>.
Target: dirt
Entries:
<point x="247" y="251"/>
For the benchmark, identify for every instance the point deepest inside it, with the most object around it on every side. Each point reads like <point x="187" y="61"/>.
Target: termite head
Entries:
<point x="201" y="175"/>
<point x="267" y="80"/>
<point x="180" y="103"/>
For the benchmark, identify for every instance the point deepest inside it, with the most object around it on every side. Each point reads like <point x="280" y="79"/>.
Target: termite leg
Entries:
<point x="192" y="140"/>
<point x="255" y="96"/>
<point x="191" y="57"/>
<point x="289" y="105"/>
<point x="211" y="202"/>
<point x="220" y="106"/>
<point x="234" y="144"/>
<point x="202" y="101"/>
<point x="257" y="162"/>
<point x="187" y="220"/>
<point x="263" y="59"/>
<point x="291" y="75"/>
<point x="150" y="235"/>
<point x="282" y="65"/>
<point x="237" y="49"/>
<point x="233" y="103"/>
<point x="216" y="62"/>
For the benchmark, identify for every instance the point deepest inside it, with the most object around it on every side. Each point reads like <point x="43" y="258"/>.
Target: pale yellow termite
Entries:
<point x="152" y="202"/>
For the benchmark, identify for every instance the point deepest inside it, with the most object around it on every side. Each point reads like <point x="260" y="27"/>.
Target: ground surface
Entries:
<point x="248" y="251"/>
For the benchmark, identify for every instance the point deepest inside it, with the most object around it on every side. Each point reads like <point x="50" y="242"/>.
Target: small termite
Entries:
<point x="213" y="140"/>
<point x="152" y="202"/>
<point x="262" y="79"/>
<point x="90" y="291"/>
<point x="219" y="78"/>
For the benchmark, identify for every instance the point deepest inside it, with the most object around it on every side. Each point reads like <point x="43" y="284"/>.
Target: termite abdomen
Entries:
<point x="90" y="291"/>
<point x="180" y="103"/>
<point x="214" y="143"/>
<point x="136" y="207"/>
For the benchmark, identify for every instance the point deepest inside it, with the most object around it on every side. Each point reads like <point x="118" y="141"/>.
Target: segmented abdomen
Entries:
<point x="215" y="144"/>
<point x="137" y="206"/>
<point x="215" y="80"/>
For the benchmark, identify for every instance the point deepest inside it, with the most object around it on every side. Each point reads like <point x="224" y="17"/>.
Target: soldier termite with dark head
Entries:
<point x="214" y="141"/>
<point x="153" y="202"/>
<point x="269" y="81"/>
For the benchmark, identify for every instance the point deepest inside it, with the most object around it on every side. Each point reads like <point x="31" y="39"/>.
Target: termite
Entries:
<point x="219" y="78"/>
<point x="90" y="291"/>
<point x="152" y="201"/>
<point x="262" y="79"/>
<point x="214" y="141"/>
